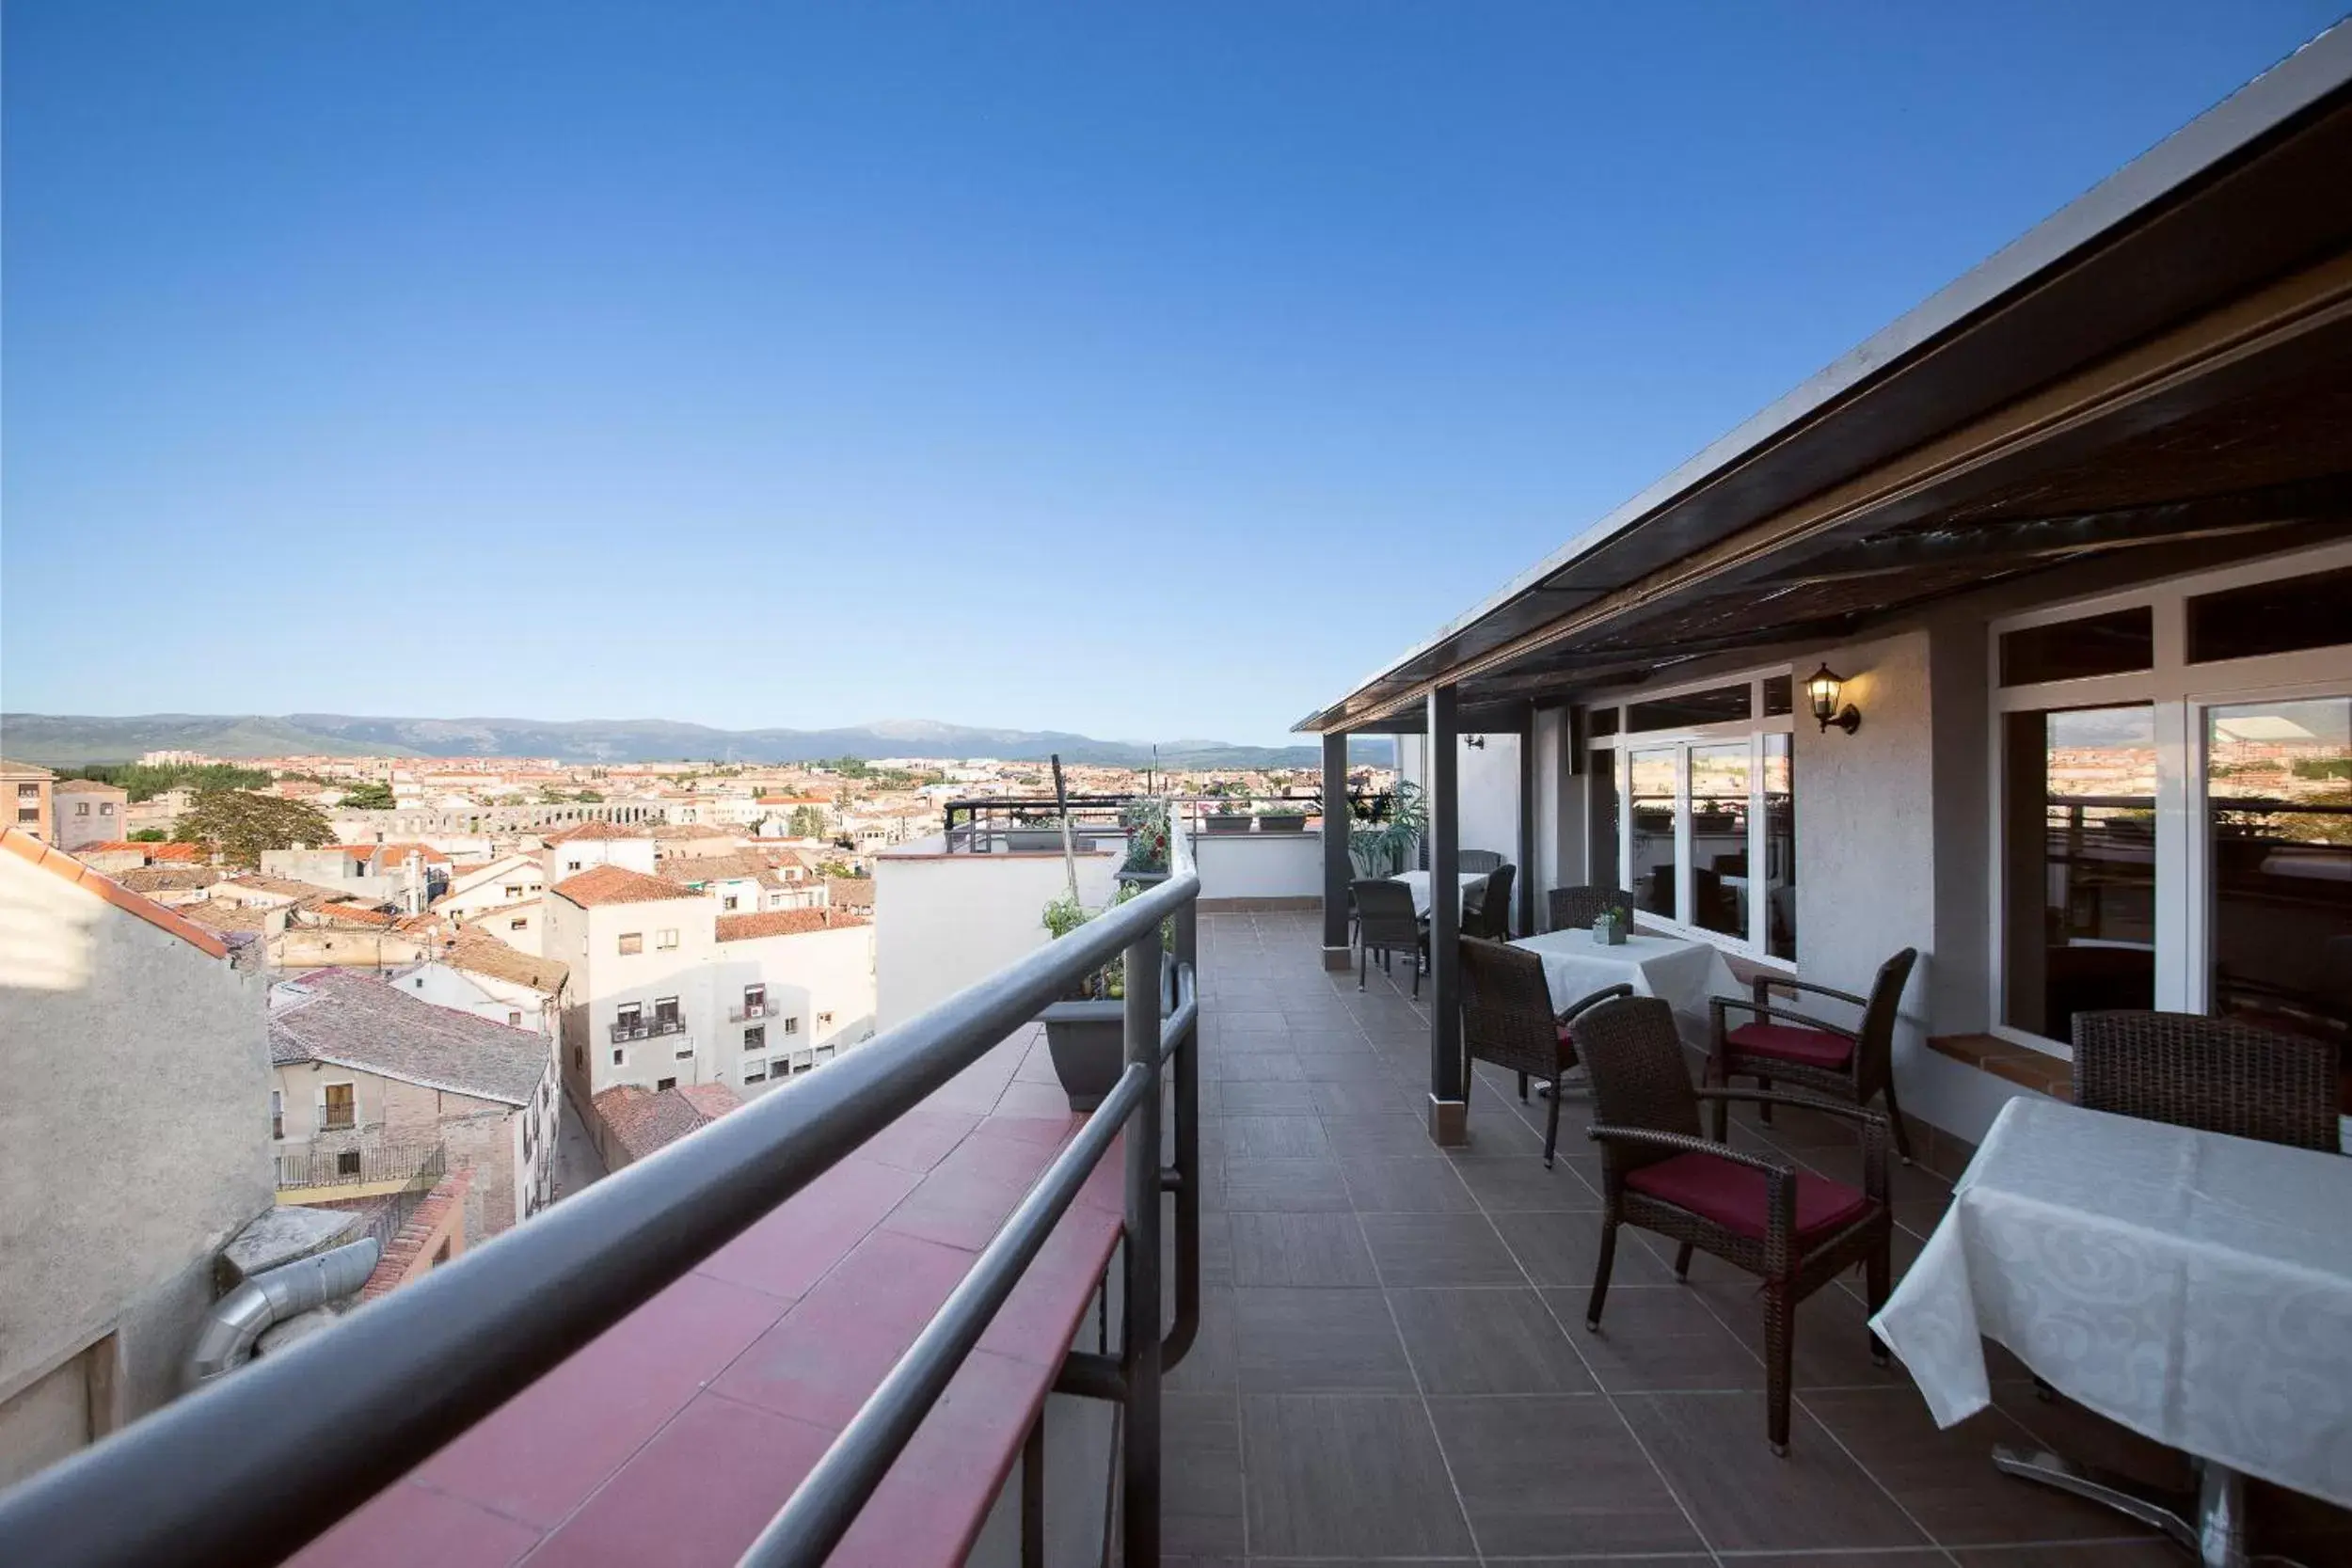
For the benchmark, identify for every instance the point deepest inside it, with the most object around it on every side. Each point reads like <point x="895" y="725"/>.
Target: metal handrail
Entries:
<point x="256" y="1465"/>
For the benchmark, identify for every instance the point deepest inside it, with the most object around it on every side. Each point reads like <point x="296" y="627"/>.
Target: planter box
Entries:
<point x="1143" y="879"/>
<point x="1043" y="841"/>
<point x="1229" y="822"/>
<point x="1282" y="824"/>
<point x="1088" y="1041"/>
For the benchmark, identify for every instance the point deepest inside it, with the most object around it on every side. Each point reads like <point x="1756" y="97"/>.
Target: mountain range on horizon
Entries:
<point x="68" y="740"/>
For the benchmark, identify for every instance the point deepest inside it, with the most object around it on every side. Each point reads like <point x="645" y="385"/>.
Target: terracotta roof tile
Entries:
<point x="618" y="884"/>
<point x="87" y="786"/>
<point x="643" y="1121"/>
<point x="480" y="953"/>
<point x="850" y="893"/>
<point x="59" y="863"/>
<point x="354" y="1019"/>
<point x="593" y="830"/>
<point x="785" y="922"/>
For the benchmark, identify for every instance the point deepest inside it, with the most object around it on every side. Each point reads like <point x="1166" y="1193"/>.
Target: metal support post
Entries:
<point x="1337" y="870"/>
<point x="1449" y="1108"/>
<point x="1139" y="1342"/>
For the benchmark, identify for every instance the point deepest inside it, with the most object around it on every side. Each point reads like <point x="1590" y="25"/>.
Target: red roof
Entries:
<point x="784" y="923"/>
<point x="618" y="884"/>
<point x="59" y="863"/>
<point x="593" y="829"/>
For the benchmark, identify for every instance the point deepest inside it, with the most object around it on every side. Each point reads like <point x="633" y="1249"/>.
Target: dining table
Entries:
<point x="1417" y="882"/>
<point x="1682" y="974"/>
<point x="2193" y="1287"/>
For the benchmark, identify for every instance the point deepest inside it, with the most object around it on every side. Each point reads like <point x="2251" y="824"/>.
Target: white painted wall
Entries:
<point x="943" y="922"/>
<point x="821" y="992"/>
<point x="1260" y="865"/>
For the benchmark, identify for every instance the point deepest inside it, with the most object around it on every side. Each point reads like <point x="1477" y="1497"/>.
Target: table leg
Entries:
<point x="2212" y="1525"/>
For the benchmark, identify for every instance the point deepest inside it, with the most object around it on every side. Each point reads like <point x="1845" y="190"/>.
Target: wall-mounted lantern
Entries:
<point x="1823" y="685"/>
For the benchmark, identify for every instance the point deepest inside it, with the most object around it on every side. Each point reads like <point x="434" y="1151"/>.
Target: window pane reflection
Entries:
<point x="1602" y="830"/>
<point x="1780" y="850"/>
<point x="1650" y="790"/>
<point x="1718" y="838"/>
<point x="2278" y="826"/>
<point x="2080" y="870"/>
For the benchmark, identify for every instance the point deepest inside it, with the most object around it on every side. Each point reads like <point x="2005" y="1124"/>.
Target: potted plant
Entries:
<point x="1383" y="830"/>
<point x="1282" y="816"/>
<point x="1146" y="826"/>
<point x="1087" y="1031"/>
<point x="1231" y="818"/>
<point x="1040" y="833"/>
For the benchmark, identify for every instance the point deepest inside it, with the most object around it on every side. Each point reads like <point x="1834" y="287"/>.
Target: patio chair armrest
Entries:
<point x="1715" y="1005"/>
<point x="1792" y="983"/>
<point x="1604" y="994"/>
<point x="1683" y="1142"/>
<point x="1874" y="1129"/>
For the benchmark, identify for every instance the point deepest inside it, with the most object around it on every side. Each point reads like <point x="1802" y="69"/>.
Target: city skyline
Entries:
<point x="748" y="369"/>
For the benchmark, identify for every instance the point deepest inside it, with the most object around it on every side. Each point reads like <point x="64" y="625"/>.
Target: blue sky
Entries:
<point x="1144" y="371"/>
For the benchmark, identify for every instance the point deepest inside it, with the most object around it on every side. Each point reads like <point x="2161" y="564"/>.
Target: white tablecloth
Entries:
<point x="2195" y="1288"/>
<point x="1419" y="883"/>
<point x="1683" y="975"/>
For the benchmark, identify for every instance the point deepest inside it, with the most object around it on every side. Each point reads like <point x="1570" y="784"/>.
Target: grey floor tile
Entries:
<point x="1270" y="1067"/>
<point x="1406" y="1185"/>
<point x="1357" y="1136"/>
<point x="1552" y="1473"/>
<point x="1309" y="1341"/>
<point x="1944" y="1480"/>
<point x="1285" y="1186"/>
<point x="1832" y="1348"/>
<point x="1655" y="1338"/>
<point x="1282" y="1137"/>
<point x="1713" y="1450"/>
<point x="1487" y="1342"/>
<point x="1560" y="1249"/>
<point x="1268" y="1098"/>
<point x="1520" y="1184"/>
<point x="2122" y="1554"/>
<point x="1201" y="1499"/>
<point x="1335" y="1474"/>
<point x="1316" y="1251"/>
<point x="1209" y="1366"/>
<point x="1338" y="1065"/>
<point x="1413" y="1250"/>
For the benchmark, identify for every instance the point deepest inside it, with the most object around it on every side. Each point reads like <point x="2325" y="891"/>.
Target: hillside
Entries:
<point x="68" y="740"/>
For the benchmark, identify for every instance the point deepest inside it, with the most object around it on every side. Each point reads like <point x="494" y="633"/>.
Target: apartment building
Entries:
<point x="585" y="846"/>
<point x="88" y="811"/>
<point x="365" y="1069"/>
<point x="29" y="792"/>
<point x="476" y="974"/>
<point x="409" y="875"/>
<point x="666" y="990"/>
<point x="132" y="1147"/>
<point x="474" y="891"/>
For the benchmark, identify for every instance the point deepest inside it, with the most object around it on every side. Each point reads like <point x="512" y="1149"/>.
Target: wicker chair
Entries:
<point x="1576" y="908"/>
<point x="1386" y="924"/>
<point x="2210" y="1073"/>
<point x="1853" y="1064"/>
<point x="1489" y="915"/>
<point x="1797" y="1232"/>
<point x="1472" y="861"/>
<point x="1507" y="1019"/>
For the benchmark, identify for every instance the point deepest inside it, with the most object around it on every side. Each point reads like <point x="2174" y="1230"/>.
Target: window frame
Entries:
<point x="1619" y="748"/>
<point x="2182" y="694"/>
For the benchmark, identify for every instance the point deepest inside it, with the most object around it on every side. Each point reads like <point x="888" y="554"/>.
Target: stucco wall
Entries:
<point x="134" y="1132"/>
<point x="943" y="922"/>
<point x="1259" y="865"/>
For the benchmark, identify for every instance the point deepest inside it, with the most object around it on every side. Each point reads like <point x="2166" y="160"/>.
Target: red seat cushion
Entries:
<point x="1809" y="1047"/>
<point x="1736" y="1197"/>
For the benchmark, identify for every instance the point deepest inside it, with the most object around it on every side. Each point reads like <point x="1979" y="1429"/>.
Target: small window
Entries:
<point x="728" y="902"/>
<point x="755" y="998"/>
<point x="28" y="813"/>
<point x="80" y="808"/>
<point x="341" y="1104"/>
<point x="2283" y="616"/>
<point x="629" y="1016"/>
<point x="1780" y="695"/>
<point x="823" y="1019"/>
<point x="105" y="808"/>
<point x="514" y="1018"/>
<point x="755" y="1038"/>
<point x="755" y="1072"/>
<point x="28" y="792"/>
<point x="620" y="1056"/>
<point x="347" y="1163"/>
<point x="514" y="889"/>
<point x="824" y="1053"/>
<point x="519" y="925"/>
<point x="2110" y="644"/>
<point x="1716" y="706"/>
<point x="665" y="1010"/>
<point x="632" y="941"/>
<point x="571" y="865"/>
<point x="276" y="1113"/>
<point x="666" y="936"/>
<point x="661" y="1083"/>
<point x="791" y="1025"/>
<point x="1601" y="720"/>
